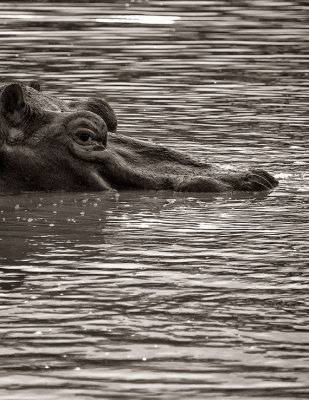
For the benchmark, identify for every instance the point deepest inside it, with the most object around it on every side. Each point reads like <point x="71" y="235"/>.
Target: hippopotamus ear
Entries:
<point x="12" y="103"/>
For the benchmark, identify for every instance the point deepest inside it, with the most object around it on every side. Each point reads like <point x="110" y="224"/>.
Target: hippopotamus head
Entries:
<point x="41" y="140"/>
<point x="23" y="123"/>
<point x="49" y="144"/>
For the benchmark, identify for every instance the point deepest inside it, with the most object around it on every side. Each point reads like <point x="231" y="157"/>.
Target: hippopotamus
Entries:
<point x="48" y="144"/>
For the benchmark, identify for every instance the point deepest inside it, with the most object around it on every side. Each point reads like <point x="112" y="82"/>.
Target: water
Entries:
<point x="148" y="294"/>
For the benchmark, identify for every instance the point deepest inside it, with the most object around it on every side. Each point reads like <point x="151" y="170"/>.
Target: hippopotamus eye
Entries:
<point x="84" y="137"/>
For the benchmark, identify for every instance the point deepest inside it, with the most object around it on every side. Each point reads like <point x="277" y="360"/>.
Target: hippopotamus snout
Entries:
<point x="258" y="179"/>
<point x="251" y="180"/>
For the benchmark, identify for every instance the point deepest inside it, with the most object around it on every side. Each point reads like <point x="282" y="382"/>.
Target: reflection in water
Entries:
<point x="141" y="19"/>
<point x="161" y="294"/>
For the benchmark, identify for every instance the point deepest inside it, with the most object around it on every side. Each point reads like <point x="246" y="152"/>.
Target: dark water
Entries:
<point x="146" y="295"/>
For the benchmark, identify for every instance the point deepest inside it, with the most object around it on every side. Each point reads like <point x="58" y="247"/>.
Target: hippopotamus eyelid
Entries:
<point x="98" y="148"/>
<point x="86" y="123"/>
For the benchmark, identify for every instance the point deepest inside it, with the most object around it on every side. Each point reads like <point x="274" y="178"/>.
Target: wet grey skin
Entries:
<point x="47" y="144"/>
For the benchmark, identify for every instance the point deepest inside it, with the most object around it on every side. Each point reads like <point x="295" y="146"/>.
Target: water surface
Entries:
<point x="147" y="294"/>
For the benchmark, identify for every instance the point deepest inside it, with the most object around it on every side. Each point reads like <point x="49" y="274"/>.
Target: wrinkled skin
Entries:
<point x="47" y="144"/>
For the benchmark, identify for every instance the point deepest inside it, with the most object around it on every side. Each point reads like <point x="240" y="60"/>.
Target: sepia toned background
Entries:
<point x="146" y="294"/>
